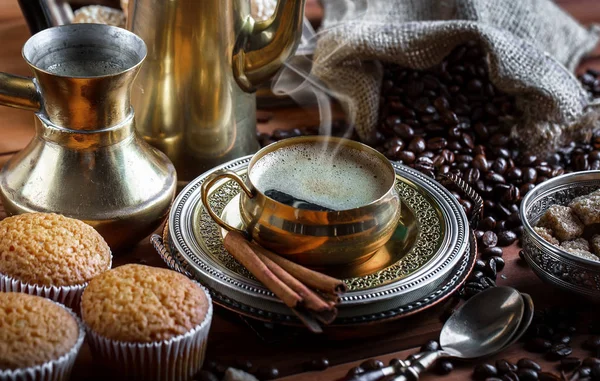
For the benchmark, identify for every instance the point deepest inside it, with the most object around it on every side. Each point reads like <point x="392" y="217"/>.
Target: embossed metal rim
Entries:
<point x="548" y="187"/>
<point x="556" y="281"/>
<point x="454" y="245"/>
<point x="457" y="277"/>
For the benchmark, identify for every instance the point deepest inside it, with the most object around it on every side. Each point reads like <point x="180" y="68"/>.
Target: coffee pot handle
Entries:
<point x="19" y="92"/>
<point x="209" y="182"/>
<point x="43" y="14"/>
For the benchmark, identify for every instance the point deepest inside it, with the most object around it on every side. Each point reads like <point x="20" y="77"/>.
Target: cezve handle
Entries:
<point x="19" y="92"/>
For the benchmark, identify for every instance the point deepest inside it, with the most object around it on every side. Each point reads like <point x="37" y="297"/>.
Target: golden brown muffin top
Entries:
<point x="33" y="330"/>
<point x="51" y="250"/>
<point x="136" y="303"/>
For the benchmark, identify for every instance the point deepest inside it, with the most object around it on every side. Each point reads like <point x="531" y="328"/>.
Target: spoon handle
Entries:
<point x="418" y="365"/>
<point x="393" y="370"/>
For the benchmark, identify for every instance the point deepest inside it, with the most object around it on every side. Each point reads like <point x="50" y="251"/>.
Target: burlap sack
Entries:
<point x="532" y="48"/>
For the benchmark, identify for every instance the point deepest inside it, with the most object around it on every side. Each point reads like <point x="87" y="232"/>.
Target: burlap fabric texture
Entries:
<point x="532" y="48"/>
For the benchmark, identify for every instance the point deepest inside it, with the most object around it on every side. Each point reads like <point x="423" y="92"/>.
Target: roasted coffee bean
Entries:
<point x="487" y="282"/>
<point x="483" y="371"/>
<point x="527" y="375"/>
<point x="467" y="140"/>
<point x="480" y="162"/>
<point x="407" y="157"/>
<point x="495" y="178"/>
<point x="449" y="118"/>
<point x="443" y="367"/>
<point x="472" y="175"/>
<point x="371" y="364"/>
<point x="404" y="131"/>
<point x="489" y="239"/>
<point x="570" y="363"/>
<point x="475" y="276"/>
<point x="506" y="238"/>
<point x="561" y="339"/>
<point x="526" y="363"/>
<point x="488" y="223"/>
<point x="318" y="364"/>
<point x="501" y="226"/>
<point x="417" y="145"/>
<point x="538" y="345"/>
<point x="491" y="269"/>
<point x="494" y="251"/>
<point x="430" y="346"/>
<point x="558" y="351"/>
<point x="479" y="264"/>
<point x="499" y="263"/>
<point x="514" y="173"/>
<point x="268" y="373"/>
<point x="529" y="175"/>
<point x="504" y="366"/>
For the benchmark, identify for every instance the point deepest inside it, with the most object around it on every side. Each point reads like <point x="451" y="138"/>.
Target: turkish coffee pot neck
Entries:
<point x="83" y="76"/>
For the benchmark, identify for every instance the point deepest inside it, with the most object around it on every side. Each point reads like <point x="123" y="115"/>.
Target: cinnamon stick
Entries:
<point x="241" y="250"/>
<point x="311" y="278"/>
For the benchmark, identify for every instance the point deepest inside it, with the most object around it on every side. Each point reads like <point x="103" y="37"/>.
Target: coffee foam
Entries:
<point x="84" y="68"/>
<point x="345" y="180"/>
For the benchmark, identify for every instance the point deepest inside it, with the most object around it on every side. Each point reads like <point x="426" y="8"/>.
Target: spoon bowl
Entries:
<point x="484" y="324"/>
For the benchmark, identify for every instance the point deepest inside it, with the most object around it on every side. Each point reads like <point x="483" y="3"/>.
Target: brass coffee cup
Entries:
<point x="310" y="237"/>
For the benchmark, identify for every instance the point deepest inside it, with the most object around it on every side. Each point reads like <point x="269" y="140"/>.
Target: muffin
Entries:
<point x="50" y="255"/>
<point x="39" y="339"/>
<point x="147" y="323"/>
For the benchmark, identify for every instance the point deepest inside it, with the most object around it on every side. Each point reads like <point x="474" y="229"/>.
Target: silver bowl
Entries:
<point x="550" y="263"/>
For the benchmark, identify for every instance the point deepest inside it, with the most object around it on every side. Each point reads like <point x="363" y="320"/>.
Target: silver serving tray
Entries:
<point x="452" y="252"/>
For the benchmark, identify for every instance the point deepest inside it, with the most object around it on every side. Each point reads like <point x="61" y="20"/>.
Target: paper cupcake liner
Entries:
<point x="178" y="358"/>
<point x="53" y="370"/>
<point x="70" y="296"/>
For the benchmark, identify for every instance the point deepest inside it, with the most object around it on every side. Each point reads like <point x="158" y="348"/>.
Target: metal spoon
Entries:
<point x="484" y="325"/>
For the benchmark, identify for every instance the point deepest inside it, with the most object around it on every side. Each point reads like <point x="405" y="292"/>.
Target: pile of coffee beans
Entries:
<point x="451" y="118"/>
<point x="590" y="82"/>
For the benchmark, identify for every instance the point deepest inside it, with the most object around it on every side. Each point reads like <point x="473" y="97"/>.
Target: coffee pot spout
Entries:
<point x="263" y="46"/>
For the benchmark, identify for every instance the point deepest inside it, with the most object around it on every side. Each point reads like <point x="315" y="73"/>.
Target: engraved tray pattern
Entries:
<point x="427" y="244"/>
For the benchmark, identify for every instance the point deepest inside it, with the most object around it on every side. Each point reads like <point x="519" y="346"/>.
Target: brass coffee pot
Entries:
<point x="86" y="160"/>
<point x="194" y="96"/>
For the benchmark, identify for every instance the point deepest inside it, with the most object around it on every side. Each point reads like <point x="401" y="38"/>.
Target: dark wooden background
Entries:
<point x="231" y="337"/>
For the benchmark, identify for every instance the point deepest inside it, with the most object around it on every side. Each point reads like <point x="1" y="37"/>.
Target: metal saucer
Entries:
<point x="431" y="254"/>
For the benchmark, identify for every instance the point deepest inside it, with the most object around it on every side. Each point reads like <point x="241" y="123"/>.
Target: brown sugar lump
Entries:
<point x="139" y="315"/>
<point x="595" y="244"/>
<point x="50" y="255"/>
<point x="583" y="254"/>
<point x="577" y="244"/>
<point x="39" y="339"/>
<point x="563" y="222"/>
<point x="587" y="208"/>
<point x="547" y="235"/>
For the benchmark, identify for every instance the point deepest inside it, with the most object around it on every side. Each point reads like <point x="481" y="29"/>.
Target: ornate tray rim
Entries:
<point x="457" y="277"/>
<point x="425" y="276"/>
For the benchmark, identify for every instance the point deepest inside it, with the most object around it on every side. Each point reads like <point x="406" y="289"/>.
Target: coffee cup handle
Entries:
<point x="209" y="182"/>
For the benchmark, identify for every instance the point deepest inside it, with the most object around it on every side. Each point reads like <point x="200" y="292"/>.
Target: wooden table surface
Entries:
<point x="231" y="338"/>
